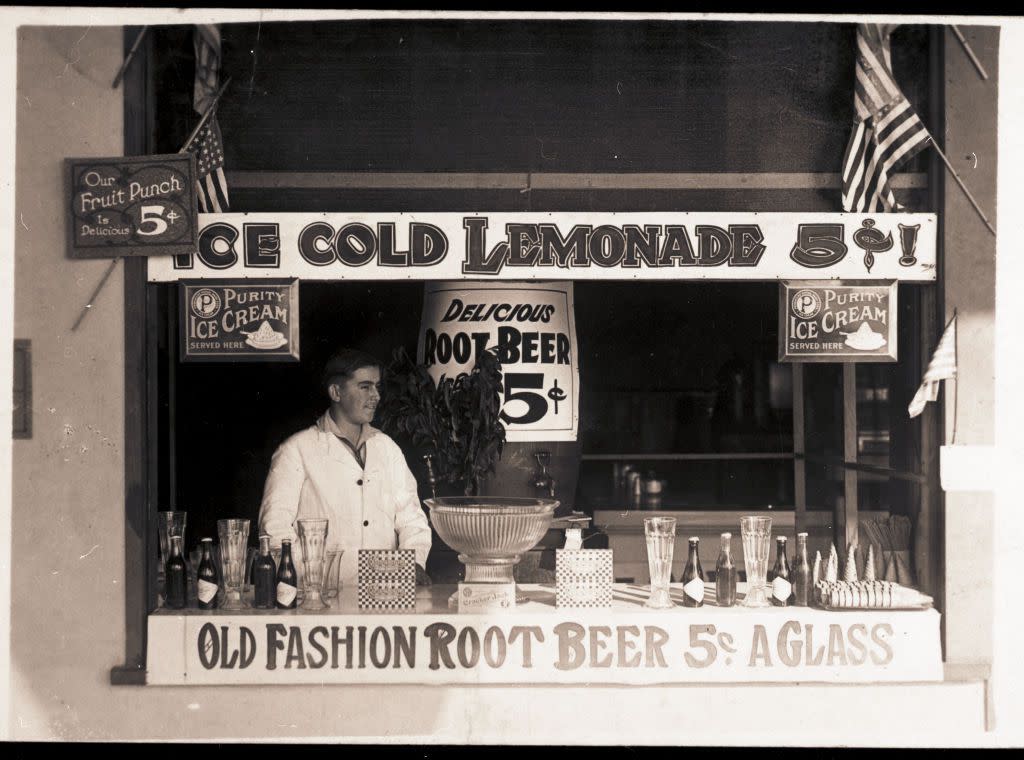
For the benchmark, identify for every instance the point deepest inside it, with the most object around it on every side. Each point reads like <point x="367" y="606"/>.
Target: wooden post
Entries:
<point x="171" y="315"/>
<point x="929" y="538"/>
<point x="799" y="449"/>
<point x="139" y="526"/>
<point x="846" y="522"/>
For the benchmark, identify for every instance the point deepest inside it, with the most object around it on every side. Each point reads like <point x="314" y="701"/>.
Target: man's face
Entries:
<point x="355" y="398"/>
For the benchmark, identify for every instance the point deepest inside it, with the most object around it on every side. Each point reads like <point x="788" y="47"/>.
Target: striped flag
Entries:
<point x="211" y="184"/>
<point x="886" y="132"/>
<point x="941" y="367"/>
<point x="206" y="45"/>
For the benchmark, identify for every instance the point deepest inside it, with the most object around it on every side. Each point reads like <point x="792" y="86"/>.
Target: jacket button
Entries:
<point x="366" y="523"/>
<point x="359" y="482"/>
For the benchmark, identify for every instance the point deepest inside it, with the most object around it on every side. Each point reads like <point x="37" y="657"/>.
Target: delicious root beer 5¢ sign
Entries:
<point x="841" y="322"/>
<point x="533" y="329"/>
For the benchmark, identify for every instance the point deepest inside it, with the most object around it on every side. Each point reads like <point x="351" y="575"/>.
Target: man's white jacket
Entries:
<point x="313" y="474"/>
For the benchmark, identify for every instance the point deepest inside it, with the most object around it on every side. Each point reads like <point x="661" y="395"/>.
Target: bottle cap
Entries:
<point x="727" y="535"/>
<point x="203" y="540"/>
<point x="801" y="535"/>
<point x="781" y="539"/>
<point x="694" y="539"/>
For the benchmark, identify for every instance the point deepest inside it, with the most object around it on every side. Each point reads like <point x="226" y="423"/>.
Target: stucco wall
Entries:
<point x="67" y="600"/>
<point x="970" y="273"/>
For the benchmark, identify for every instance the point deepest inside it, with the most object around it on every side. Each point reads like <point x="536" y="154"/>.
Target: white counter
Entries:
<point x="538" y="643"/>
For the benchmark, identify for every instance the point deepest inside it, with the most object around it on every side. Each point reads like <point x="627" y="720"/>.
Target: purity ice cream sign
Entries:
<point x="847" y="321"/>
<point x="531" y="326"/>
<point x="246" y="320"/>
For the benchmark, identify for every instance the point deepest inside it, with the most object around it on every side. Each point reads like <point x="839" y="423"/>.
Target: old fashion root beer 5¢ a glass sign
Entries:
<point x="845" y="321"/>
<point x="143" y="206"/>
<point x="248" y="320"/>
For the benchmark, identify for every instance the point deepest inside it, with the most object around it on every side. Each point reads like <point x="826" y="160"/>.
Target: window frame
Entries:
<point x="143" y="345"/>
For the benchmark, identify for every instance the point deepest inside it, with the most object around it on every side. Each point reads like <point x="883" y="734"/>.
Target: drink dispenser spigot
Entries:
<point x="542" y="479"/>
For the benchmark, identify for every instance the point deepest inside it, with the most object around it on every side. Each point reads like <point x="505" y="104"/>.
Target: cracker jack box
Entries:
<point x="583" y="577"/>
<point x="487" y="597"/>
<point x="387" y="579"/>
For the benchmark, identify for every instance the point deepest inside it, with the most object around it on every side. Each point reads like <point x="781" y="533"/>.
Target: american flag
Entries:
<point x="210" y="182"/>
<point x="886" y="132"/>
<point x="206" y="45"/>
<point x="208" y="145"/>
<point x="941" y="367"/>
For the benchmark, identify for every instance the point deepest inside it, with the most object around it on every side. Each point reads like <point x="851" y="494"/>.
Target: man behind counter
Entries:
<point x="344" y="469"/>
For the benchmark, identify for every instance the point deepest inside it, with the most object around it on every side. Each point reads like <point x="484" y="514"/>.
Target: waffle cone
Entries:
<point x="832" y="568"/>
<point x="850" y="571"/>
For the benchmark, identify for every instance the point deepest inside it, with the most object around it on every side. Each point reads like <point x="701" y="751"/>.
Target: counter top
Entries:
<point x="627" y="599"/>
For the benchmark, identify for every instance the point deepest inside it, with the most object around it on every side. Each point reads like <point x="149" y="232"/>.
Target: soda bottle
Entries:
<point x="207" y="578"/>
<point x="782" y="587"/>
<point x="264" y="575"/>
<point x="725" y="574"/>
<point x="176" y="577"/>
<point x="287" y="591"/>
<point x="801" y="573"/>
<point x="693" y="577"/>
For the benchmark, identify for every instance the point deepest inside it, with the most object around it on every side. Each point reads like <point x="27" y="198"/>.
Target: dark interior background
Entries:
<point x="668" y="392"/>
<point x="555" y="96"/>
<point x="542" y="96"/>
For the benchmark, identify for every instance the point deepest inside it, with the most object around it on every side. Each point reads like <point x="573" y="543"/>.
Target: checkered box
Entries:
<point x="583" y="577"/>
<point x="387" y="579"/>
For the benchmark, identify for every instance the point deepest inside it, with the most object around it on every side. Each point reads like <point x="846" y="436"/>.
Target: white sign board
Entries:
<point x="537" y="643"/>
<point x="533" y="329"/>
<point x="967" y="468"/>
<point x="528" y="245"/>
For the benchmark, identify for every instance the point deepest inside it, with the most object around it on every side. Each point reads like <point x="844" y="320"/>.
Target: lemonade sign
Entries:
<point x="248" y="320"/>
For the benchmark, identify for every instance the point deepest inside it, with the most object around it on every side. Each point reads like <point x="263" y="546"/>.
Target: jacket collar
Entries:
<point x="325" y="425"/>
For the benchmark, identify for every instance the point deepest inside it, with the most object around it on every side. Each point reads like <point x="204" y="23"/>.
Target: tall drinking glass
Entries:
<point x="332" y="574"/>
<point x="234" y="538"/>
<point x="313" y="538"/>
<point x="757" y="539"/>
<point x="661" y="541"/>
<point x="169" y="524"/>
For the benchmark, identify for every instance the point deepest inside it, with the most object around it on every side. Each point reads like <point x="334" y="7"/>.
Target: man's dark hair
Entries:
<point x="344" y="363"/>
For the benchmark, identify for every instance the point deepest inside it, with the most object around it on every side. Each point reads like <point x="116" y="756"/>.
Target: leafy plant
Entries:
<point x="456" y="419"/>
